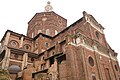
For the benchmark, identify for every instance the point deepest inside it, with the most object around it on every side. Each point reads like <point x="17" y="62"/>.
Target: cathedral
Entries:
<point x="51" y="50"/>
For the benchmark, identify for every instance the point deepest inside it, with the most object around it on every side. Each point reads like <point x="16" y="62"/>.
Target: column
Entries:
<point x="24" y="62"/>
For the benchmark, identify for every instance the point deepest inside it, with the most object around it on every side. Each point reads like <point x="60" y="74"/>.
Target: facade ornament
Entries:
<point x="48" y="7"/>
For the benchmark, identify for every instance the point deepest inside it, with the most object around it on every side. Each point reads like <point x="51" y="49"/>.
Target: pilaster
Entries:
<point x="24" y="62"/>
<point x="21" y="41"/>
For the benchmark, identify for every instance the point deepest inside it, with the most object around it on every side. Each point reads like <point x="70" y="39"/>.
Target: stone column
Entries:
<point x="24" y="62"/>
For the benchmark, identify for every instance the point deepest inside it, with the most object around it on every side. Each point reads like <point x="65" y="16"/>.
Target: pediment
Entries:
<point x="90" y="19"/>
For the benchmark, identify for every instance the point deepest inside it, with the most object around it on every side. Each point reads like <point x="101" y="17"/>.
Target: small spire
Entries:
<point x="48" y="7"/>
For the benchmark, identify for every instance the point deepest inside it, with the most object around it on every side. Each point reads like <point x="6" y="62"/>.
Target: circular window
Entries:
<point x="97" y="35"/>
<point x="116" y="68"/>
<point x="27" y="47"/>
<point x="14" y="43"/>
<point x="91" y="61"/>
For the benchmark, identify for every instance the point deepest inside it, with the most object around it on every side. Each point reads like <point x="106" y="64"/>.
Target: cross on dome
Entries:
<point x="48" y="7"/>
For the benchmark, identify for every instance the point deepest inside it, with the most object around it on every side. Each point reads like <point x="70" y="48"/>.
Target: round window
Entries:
<point x="27" y="47"/>
<point x="91" y="61"/>
<point x="13" y="43"/>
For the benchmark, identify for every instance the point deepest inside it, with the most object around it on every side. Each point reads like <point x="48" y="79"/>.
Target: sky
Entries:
<point x="15" y="14"/>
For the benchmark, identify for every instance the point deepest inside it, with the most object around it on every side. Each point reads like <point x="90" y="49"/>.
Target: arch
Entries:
<point x="27" y="47"/>
<point x="107" y="72"/>
<point x="14" y="43"/>
<point x="93" y="76"/>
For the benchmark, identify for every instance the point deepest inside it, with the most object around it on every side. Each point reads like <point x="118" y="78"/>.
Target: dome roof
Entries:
<point x="14" y="69"/>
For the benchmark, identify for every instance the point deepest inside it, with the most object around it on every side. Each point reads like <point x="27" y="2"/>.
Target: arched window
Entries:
<point x="107" y="74"/>
<point x="50" y="76"/>
<point x="47" y="31"/>
<point x="93" y="76"/>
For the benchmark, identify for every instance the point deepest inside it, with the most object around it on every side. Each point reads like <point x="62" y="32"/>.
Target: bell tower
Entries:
<point x="47" y="22"/>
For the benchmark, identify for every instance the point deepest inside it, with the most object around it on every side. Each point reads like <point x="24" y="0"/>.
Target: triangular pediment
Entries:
<point x="90" y="19"/>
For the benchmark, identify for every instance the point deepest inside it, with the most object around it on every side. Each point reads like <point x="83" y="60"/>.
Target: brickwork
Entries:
<point x="54" y="51"/>
<point x="43" y="21"/>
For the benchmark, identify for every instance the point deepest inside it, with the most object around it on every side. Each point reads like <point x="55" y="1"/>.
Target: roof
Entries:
<point x="85" y="14"/>
<point x="15" y="34"/>
<point x="99" y="25"/>
<point x="42" y="13"/>
<point x="50" y="37"/>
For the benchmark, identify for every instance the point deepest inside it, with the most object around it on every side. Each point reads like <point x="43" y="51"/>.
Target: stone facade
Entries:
<point x="53" y="51"/>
